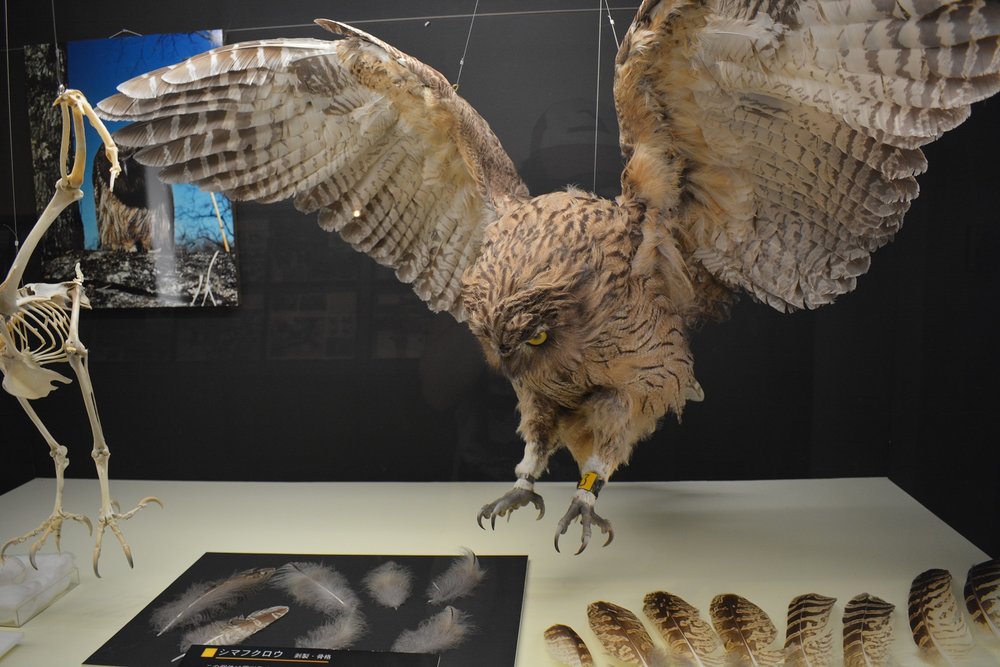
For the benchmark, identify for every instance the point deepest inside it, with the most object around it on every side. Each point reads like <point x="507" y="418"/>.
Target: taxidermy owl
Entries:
<point x="769" y="148"/>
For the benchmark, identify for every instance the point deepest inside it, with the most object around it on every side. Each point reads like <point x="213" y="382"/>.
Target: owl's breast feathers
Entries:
<point x="564" y="263"/>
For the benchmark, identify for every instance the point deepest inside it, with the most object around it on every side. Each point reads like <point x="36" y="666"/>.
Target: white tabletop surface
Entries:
<point x="768" y="541"/>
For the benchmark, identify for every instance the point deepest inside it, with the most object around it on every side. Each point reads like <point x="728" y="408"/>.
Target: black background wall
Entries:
<point x="330" y="370"/>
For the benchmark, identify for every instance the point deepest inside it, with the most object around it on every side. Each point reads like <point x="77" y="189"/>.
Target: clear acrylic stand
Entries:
<point x="25" y="591"/>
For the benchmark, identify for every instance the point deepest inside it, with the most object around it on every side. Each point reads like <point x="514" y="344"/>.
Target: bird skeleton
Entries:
<point x="769" y="148"/>
<point x="39" y="327"/>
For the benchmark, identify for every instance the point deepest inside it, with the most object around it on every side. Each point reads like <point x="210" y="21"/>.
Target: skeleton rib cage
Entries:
<point x="38" y="330"/>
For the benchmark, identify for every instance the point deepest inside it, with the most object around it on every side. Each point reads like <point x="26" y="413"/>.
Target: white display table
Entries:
<point x="767" y="541"/>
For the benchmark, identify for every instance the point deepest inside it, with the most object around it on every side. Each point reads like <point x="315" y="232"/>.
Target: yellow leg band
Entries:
<point x="591" y="482"/>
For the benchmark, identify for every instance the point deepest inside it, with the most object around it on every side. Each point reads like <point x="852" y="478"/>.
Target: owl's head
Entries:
<point x="525" y="328"/>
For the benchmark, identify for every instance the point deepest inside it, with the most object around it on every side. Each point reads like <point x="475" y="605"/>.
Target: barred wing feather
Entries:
<point x="785" y="136"/>
<point x="375" y="142"/>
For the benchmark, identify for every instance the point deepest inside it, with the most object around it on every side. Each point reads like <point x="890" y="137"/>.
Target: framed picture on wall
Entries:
<point x="145" y="243"/>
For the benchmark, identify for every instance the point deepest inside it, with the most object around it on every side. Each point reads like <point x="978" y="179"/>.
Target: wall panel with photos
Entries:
<point x="330" y="369"/>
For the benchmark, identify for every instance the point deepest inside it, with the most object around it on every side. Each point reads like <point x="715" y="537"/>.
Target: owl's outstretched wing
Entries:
<point x="373" y="140"/>
<point x="783" y="135"/>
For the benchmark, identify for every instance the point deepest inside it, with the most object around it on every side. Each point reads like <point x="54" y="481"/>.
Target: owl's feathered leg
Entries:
<point x="582" y="507"/>
<point x="601" y="438"/>
<point x="538" y="428"/>
<point x="527" y="471"/>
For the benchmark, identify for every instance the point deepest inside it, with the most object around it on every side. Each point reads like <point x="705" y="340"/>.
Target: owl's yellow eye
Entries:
<point x="539" y="338"/>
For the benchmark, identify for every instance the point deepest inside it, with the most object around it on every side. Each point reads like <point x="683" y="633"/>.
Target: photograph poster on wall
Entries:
<point x="145" y="243"/>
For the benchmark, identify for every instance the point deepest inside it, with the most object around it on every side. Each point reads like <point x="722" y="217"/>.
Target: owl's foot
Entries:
<point x="583" y="507"/>
<point x="110" y="519"/>
<point x="522" y="494"/>
<point x="50" y="527"/>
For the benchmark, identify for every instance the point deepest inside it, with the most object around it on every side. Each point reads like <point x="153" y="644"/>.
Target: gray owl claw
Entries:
<point x="507" y="503"/>
<point x="588" y="517"/>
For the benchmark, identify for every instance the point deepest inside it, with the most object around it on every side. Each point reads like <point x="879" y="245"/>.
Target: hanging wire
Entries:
<point x="461" y="62"/>
<point x="10" y="127"/>
<point x="597" y="100"/>
<point x="55" y="45"/>
<point x="612" y="22"/>
<point x="602" y="5"/>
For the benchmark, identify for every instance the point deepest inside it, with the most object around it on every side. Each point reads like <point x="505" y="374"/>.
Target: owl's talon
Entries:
<point x="583" y="507"/>
<point x="507" y="503"/>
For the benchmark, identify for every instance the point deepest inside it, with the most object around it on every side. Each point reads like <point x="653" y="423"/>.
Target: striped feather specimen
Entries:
<point x="982" y="597"/>
<point x="566" y="647"/>
<point x="809" y="634"/>
<point x="746" y="630"/>
<point x="936" y="620"/>
<point x="233" y="631"/>
<point x="623" y="635"/>
<point x="202" y="600"/>
<point x="691" y="640"/>
<point x="867" y="631"/>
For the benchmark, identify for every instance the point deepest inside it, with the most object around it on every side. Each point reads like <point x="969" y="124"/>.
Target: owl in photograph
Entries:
<point x="770" y="147"/>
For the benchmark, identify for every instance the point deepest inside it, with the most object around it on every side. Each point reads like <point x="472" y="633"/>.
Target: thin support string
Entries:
<point x="597" y="100"/>
<point x="55" y="45"/>
<point x="461" y="62"/>
<point x="10" y="127"/>
<point x="429" y="17"/>
<point x="612" y="22"/>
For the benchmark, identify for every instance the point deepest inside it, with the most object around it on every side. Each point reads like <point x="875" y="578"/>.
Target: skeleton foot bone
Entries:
<point x="583" y="507"/>
<point x="522" y="494"/>
<point x="50" y="527"/>
<point x="110" y="518"/>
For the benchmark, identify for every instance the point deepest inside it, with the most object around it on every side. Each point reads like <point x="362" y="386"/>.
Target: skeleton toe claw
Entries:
<point x="112" y="520"/>
<point x="150" y="499"/>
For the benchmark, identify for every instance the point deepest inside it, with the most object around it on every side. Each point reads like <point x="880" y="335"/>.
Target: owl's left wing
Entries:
<point x="374" y="141"/>
<point x="781" y="138"/>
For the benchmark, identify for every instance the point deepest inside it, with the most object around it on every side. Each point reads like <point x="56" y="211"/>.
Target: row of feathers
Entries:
<point x="741" y="633"/>
<point x="323" y="588"/>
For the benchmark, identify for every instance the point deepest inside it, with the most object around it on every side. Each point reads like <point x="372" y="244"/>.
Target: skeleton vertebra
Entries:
<point x="39" y="326"/>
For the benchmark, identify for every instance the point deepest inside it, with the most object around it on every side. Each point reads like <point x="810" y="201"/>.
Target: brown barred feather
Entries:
<point x="566" y="647"/>
<point x="623" y="635"/>
<point x="745" y="629"/>
<point x="867" y="631"/>
<point x="689" y="638"/>
<point x="809" y="634"/>
<point x="982" y="597"/>
<point x="938" y="625"/>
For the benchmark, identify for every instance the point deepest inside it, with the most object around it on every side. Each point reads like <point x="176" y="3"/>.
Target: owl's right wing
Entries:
<point x="782" y="137"/>
<point x="373" y="140"/>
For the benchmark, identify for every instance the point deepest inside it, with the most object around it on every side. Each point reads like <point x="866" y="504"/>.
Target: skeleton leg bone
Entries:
<point x="108" y="517"/>
<point x="53" y="525"/>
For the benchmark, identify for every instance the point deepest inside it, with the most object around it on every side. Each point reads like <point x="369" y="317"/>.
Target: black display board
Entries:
<point x="493" y="608"/>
